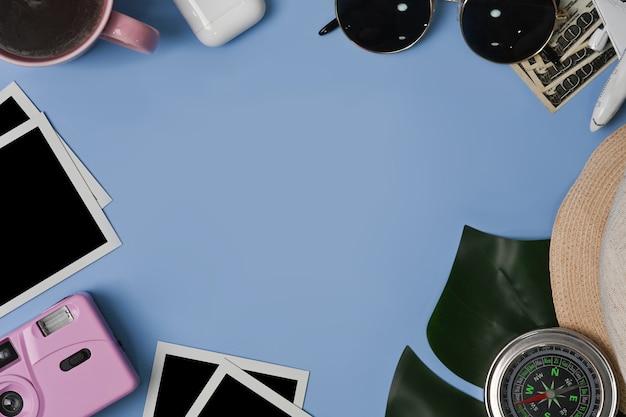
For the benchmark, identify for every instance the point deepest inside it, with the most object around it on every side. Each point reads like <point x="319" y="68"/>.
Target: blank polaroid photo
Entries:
<point x="234" y="392"/>
<point x="51" y="225"/>
<point x="16" y="108"/>
<point x="181" y="373"/>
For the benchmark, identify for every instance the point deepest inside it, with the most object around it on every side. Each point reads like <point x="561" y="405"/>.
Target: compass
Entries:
<point x="551" y="373"/>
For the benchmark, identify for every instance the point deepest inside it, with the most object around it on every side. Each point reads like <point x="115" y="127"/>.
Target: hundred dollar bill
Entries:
<point x="582" y="20"/>
<point x="555" y="94"/>
<point x="543" y="73"/>
<point x="557" y="77"/>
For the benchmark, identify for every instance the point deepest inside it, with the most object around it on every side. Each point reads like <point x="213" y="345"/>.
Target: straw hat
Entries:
<point x="584" y="298"/>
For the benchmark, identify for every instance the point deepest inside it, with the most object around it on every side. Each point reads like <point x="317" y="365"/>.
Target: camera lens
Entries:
<point x="11" y="403"/>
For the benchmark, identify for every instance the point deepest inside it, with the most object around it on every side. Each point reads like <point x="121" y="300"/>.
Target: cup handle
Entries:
<point x="128" y="32"/>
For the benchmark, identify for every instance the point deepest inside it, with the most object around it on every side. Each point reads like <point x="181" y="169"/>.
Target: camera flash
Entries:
<point x="55" y="321"/>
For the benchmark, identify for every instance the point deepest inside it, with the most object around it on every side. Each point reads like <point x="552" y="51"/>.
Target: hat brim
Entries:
<point x="576" y="241"/>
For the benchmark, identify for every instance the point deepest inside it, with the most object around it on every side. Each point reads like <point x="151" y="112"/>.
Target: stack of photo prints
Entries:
<point x="53" y="225"/>
<point x="51" y="216"/>
<point x="193" y="382"/>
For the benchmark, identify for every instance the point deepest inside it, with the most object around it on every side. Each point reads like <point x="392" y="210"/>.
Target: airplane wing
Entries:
<point x="613" y="13"/>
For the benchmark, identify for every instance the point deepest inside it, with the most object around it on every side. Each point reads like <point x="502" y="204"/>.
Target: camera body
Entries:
<point x="65" y="362"/>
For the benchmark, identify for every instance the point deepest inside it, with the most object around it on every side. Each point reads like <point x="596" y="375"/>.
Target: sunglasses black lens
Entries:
<point x="507" y="31"/>
<point x="384" y="25"/>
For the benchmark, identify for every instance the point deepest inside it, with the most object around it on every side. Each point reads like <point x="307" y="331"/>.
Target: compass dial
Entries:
<point x="551" y="373"/>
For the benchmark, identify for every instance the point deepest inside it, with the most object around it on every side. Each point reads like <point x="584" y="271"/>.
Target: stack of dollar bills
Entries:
<point x="556" y="77"/>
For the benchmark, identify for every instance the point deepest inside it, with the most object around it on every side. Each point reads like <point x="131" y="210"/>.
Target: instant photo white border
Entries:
<point x="112" y="240"/>
<point x="13" y="90"/>
<point x="228" y="368"/>
<point x="29" y="108"/>
<point x="164" y="348"/>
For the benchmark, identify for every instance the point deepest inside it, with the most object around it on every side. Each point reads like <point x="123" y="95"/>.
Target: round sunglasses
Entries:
<point x="502" y="31"/>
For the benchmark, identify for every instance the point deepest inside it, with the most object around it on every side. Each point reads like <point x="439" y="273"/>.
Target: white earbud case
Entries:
<point x="215" y="22"/>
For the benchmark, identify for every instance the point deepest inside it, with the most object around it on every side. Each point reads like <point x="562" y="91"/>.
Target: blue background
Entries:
<point x="295" y="199"/>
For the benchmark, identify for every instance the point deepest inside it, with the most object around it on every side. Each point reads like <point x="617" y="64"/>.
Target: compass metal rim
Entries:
<point x="556" y="336"/>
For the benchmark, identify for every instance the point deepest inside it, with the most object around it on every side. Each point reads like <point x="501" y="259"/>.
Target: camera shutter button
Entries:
<point x="75" y="360"/>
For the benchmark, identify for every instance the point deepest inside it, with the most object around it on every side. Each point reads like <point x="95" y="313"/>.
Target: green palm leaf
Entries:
<point x="417" y="392"/>
<point x="498" y="289"/>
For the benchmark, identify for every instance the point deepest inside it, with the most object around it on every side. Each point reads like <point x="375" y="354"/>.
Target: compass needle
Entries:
<point x="551" y="373"/>
<point x="536" y="398"/>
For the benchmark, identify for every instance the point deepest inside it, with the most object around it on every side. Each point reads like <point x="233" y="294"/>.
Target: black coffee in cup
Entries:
<point x="47" y="28"/>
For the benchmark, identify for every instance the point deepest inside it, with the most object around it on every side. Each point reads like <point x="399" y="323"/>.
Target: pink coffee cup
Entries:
<point x="29" y="42"/>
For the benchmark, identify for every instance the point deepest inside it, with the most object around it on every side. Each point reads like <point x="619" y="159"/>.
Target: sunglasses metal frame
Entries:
<point x="559" y="16"/>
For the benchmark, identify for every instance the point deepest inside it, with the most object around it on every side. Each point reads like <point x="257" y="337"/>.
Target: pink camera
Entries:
<point x="66" y="362"/>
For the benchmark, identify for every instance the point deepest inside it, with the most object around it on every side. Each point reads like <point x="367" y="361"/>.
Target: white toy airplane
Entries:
<point x="613" y="13"/>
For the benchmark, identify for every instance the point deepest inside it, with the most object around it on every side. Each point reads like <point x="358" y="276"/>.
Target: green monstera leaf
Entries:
<point x="417" y="392"/>
<point x="498" y="289"/>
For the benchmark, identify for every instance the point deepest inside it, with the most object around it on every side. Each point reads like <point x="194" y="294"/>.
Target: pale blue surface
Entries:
<point x="295" y="199"/>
